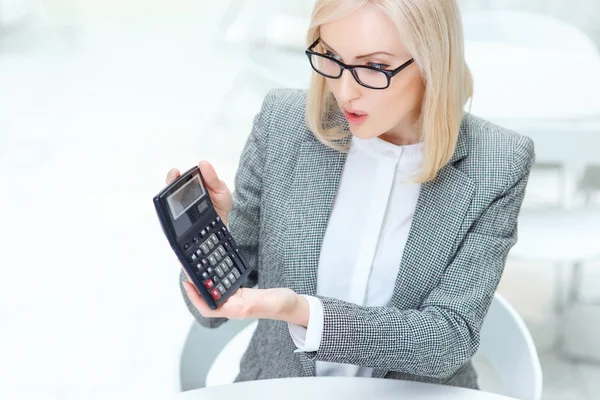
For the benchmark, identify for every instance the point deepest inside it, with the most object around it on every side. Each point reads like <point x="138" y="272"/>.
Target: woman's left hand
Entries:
<point x="279" y="303"/>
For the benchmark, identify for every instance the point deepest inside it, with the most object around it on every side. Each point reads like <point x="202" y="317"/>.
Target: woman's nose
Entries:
<point x="349" y="88"/>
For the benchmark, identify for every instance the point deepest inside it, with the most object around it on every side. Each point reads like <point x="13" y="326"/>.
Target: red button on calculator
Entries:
<point x="215" y="294"/>
<point x="209" y="284"/>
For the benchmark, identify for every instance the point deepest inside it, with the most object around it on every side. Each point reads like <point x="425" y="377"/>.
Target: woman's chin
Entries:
<point x="362" y="132"/>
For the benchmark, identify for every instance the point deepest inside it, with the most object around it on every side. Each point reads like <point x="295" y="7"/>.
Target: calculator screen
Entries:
<point x="186" y="196"/>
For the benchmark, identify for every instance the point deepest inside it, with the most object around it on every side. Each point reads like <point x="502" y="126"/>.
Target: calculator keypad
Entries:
<point x="216" y="260"/>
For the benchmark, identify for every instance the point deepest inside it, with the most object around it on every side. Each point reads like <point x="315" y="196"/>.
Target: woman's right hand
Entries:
<point x="217" y="189"/>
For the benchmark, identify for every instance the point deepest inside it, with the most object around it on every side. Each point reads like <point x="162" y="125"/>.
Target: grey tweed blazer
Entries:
<point x="464" y="226"/>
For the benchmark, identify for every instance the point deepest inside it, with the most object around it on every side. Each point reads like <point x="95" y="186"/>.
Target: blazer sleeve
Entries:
<point x="443" y="333"/>
<point x="244" y="218"/>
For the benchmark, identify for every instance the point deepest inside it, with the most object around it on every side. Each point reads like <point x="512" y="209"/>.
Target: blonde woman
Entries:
<point x="376" y="213"/>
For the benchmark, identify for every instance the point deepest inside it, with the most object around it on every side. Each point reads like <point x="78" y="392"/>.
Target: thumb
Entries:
<point x="211" y="178"/>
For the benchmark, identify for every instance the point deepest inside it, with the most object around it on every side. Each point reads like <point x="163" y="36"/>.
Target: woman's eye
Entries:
<point x="377" y="66"/>
<point x="332" y="55"/>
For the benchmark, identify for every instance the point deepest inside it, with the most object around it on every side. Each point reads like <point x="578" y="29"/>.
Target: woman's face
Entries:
<point x="367" y="37"/>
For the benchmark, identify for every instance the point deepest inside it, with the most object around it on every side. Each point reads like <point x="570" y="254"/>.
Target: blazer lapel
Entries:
<point x="315" y="183"/>
<point x="440" y="211"/>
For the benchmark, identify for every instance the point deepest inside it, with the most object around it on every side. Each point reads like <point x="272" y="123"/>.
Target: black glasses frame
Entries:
<point x="389" y="74"/>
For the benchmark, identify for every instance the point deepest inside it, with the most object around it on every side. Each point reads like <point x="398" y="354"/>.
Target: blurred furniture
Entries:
<point x="561" y="237"/>
<point x="199" y="349"/>
<point x="226" y="366"/>
<point x="589" y="184"/>
<point x="535" y="74"/>
<point x="267" y="37"/>
<point x="338" y="388"/>
<point x="507" y="362"/>
<point x="525" y="29"/>
<point x="510" y="365"/>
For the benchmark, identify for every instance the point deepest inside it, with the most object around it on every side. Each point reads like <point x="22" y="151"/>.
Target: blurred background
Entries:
<point x="99" y="99"/>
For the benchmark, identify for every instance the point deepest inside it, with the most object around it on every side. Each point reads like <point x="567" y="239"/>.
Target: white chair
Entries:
<point x="507" y="356"/>
<point x="507" y="362"/>
<point x="226" y="366"/>
<point x="199" y="350"/>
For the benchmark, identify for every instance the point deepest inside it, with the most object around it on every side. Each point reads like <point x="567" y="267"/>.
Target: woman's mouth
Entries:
<point x="355" y="117"/>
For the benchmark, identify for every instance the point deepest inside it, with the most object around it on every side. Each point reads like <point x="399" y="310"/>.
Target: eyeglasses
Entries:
<point x="369" y="77"/>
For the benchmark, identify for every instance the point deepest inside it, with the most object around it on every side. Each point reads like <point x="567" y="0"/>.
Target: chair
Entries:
<point x="199" y="350"/>
<point x="506" y="353"/>
<point x="507" y="362"/>
<point x="226" y="366"/>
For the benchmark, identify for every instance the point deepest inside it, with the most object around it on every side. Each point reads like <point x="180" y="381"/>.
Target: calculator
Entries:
<point x="199" y="238"/>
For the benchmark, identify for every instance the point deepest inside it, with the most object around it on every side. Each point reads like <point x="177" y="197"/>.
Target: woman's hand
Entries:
<point x="217" y="189"/>
<point x="280" y="304"/>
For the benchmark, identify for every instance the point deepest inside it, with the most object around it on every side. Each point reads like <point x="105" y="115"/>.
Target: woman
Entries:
<point x="376" y="213"/>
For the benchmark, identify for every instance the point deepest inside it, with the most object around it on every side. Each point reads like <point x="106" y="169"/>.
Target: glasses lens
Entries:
<point x="371" y="78"/>
<point x="325" y="66"/>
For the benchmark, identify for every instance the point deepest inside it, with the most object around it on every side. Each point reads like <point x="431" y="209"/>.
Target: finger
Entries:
<point x="186" y="274"/>
<point x="172" y="175"/>
<point x="211" y="178"/>
<point x="198" y="301"/>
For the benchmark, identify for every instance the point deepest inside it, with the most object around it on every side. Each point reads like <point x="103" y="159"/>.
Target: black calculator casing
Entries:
<point x="184" y="232"/>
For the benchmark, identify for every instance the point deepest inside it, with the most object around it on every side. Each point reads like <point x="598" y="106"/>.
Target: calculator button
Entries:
<point x="224" y="266"/>
<point x="227" y="246"/>
<point x="214" y="238"/>
<point x="209" y="270"/>
<point x="228" y="261"/>
<point x="226" y="283"/>
<point x="220" y="234"/>
<point x="213" y="223"/>
<point x="210" y="244"/>
<point x="186" y="246"/>
<point x="224" y="229"/>
<point x="221" y="251"/>
<point x="231" y="277"/>
<point x="212" y="260"/>
<point x="218" y="219"/>
<point x="205" y="275"/>
<point x="209" y="284"/>
<point x="204" y="248"/>
<point x="220" y="272"/>
<point x="221" y="288"/>
<point x="216" y="294"/>
<point x="194" y="257"/>
<point x="207" y="228"/>
<point x="204" y="262"/>
<point x="236" y="273"/>
<point x="202" y="232"/>
<point x="217" y="255"/>
<point x="195" y="239"/>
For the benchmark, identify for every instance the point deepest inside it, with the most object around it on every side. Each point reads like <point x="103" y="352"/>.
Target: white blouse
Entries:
<point x="365" y="237"/>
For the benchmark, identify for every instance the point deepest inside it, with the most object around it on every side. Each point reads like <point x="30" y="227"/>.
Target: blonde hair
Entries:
<point x="432" y="34"/>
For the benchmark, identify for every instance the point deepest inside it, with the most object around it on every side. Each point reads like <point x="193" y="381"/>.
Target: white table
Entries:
<point x="331" y="388"/>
